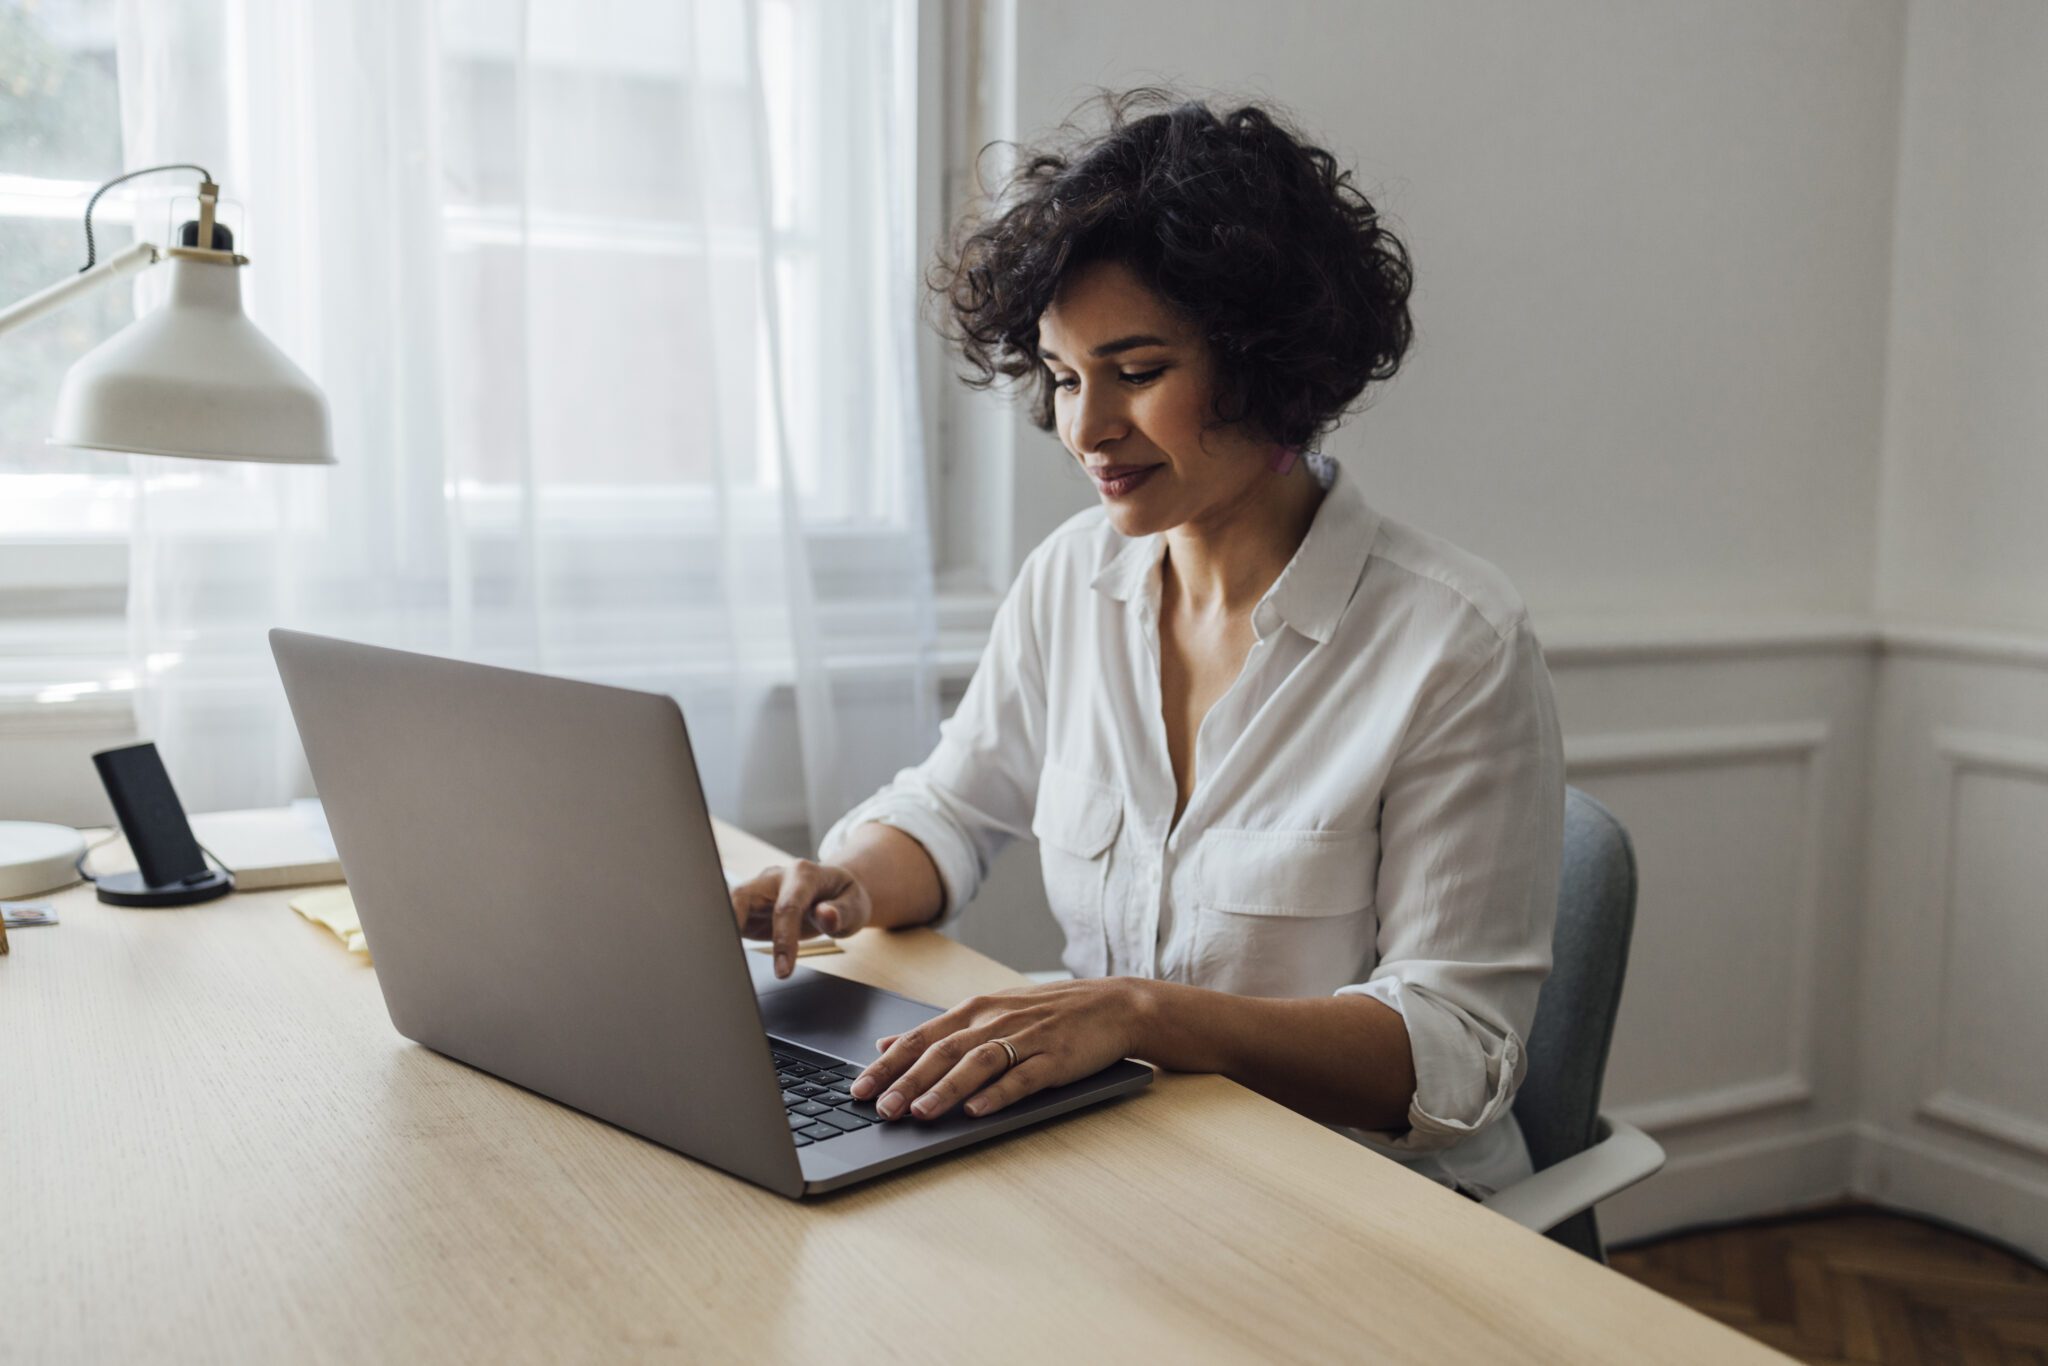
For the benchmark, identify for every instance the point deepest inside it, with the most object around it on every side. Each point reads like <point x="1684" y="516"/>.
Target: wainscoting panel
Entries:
<point x="1955" y="989"/>
<point x="1989" y="1074"/>
<point x="1717" y="1017"/>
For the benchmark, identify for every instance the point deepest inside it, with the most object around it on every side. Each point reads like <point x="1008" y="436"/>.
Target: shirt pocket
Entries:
<point x="1076" y="824"/>
<point x="1283" y="912"/>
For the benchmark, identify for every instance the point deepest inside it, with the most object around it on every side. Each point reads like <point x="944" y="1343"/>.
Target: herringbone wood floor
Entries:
<point x="1856" y="1284"/>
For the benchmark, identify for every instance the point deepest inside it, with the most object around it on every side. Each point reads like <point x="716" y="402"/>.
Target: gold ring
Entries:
<point x="1011" y="1051"/>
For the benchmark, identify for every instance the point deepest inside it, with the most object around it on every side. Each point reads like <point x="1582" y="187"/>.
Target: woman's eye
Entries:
<point x="1131" y="377"/>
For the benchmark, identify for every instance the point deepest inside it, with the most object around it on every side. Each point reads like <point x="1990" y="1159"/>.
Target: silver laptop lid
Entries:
<point x="533" y="864"/>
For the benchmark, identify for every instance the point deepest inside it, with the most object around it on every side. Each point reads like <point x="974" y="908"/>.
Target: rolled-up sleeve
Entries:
<point x="1471" y="834"/>
<point x="976" y="790"/>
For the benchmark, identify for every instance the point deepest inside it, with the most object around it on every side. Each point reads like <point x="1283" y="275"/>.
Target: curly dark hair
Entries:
<point x="1253" y="233"/>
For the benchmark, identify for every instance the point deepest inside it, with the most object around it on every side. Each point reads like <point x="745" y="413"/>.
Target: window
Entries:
<point x="60" y="137"/>
<point x="570" y="156"/>
<point x="559" y="147"/>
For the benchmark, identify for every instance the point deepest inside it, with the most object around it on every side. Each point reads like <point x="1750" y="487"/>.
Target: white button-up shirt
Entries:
<point x="1377" y="807"/>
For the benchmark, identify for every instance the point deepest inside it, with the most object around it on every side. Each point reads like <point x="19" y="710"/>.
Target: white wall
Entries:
<point x="1966" y="413"/>
<point x="1651" y="244"/>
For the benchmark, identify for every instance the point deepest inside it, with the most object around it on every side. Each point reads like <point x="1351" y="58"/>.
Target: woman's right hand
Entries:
<point x="785" y="903"/>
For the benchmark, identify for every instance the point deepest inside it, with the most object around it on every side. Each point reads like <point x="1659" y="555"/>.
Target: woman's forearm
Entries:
<point x="902" y="882"/>
<point x="1338" y="1059"/>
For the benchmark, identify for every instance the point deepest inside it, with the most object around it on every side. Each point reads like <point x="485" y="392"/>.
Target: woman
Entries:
<point x="1293" y="767"/>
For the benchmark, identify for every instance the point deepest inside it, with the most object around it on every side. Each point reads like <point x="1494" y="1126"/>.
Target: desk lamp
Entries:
<point x="191" y="378"/>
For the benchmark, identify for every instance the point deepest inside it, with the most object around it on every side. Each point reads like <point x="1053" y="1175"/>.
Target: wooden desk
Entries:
<point x="216" y="1148"/>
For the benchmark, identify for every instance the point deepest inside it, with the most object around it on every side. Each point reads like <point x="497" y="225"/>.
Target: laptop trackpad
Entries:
<point x="834" y="1015"/>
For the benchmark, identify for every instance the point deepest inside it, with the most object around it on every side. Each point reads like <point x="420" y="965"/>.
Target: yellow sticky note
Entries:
<point x="817" y="943"/>
<point x="334" y="908"/>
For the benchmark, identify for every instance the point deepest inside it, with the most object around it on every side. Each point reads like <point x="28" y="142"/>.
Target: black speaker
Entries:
<point x="172" y="869"/>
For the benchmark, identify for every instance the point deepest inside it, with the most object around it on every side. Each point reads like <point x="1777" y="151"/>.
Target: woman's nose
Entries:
<point x="1099" y="418"/>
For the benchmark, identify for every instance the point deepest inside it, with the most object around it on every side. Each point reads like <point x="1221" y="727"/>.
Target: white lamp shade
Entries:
<point x="194" y="378"/>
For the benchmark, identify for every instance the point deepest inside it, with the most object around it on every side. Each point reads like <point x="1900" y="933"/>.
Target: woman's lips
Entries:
<point x="1117" y="480"/>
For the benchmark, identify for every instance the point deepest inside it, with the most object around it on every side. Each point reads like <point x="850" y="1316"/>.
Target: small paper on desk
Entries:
<point x="334" y="908"/>
<point x="817" y="943"/>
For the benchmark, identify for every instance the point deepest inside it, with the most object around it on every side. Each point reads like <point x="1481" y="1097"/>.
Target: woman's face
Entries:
<point x="1132" y="394"/>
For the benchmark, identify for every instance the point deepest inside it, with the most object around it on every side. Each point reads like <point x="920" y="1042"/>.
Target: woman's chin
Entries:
<point x="1126" y="520"/>
<point x="1135" y="516"/>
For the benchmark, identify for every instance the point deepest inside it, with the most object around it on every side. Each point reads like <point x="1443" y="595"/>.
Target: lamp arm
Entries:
<point x="138" y="257"/>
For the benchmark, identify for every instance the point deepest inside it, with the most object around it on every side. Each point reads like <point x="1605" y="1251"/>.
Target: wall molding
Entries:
<point x="1571" y="642"/>
<point x="965" y="613"/>
<point x="1692" y="746"/>
<point x="1957" y="1111"/>
<point x="1713" y="1107"/>
<point x="1979" y="751"/>
<point x="1966" y="644"/>
<point x="1592" y="641"/>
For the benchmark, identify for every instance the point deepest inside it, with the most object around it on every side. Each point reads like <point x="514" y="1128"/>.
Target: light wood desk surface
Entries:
<point x="215" y="1147"/>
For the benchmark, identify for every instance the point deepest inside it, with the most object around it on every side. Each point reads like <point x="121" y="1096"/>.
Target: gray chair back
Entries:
<point x="1558" y="1106"/>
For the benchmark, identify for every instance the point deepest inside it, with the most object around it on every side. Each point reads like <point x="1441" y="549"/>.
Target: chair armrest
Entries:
<point x="1623" y="1156"/>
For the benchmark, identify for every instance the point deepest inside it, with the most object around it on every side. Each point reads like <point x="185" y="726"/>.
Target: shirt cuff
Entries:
<point x="922" y="820"/>
<point x="1466" y="1073"/>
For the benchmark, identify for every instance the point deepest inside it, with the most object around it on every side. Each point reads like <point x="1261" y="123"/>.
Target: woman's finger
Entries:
<point x="978" y="1066"/>
<point x="1031" y="1074"/>
<point x="899" y="1051"/>
<point x="799" y="887"/>
<point x="928" y="1065"/>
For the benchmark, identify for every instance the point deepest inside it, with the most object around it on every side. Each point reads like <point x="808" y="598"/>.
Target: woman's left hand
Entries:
<point x="1062" y="1031"/>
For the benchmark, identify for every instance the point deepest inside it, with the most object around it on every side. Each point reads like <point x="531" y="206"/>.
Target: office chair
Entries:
<point x="1581" y="1157"/>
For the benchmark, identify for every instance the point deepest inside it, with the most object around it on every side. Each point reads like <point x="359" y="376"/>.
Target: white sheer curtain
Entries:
<point x="614" y="305"/>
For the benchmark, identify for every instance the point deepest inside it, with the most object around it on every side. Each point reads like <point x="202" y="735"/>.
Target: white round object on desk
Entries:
<point x="37" y="858"/>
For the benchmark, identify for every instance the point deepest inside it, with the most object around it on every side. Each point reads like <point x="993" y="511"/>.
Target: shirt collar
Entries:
<point x="1318" y="583"/>
<point x="1123" y="578"/>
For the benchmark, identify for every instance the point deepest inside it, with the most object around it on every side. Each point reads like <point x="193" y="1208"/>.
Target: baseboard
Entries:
<point x="1911" y="1173"/>
<point x="1738" y="1181"/>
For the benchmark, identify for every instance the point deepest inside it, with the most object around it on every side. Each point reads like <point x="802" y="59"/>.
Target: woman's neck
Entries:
<point x="1218" y="567"/>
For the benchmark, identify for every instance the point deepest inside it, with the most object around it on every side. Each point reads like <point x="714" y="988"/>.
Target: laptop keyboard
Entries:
<point x="815" y="1095"/>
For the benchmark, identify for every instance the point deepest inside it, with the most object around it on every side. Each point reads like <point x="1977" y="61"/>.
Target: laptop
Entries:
<point x="533" y="863"/>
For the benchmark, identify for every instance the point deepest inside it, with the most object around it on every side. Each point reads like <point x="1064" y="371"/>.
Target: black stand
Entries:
<point x="128" y="889"/>
<point x="171" y="865"/>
